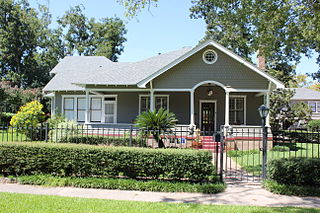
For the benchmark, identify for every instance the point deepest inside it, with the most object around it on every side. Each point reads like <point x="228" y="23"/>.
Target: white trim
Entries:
<point x="247" y="90"/>
<point x="120" y="90"/>
<point x="204" y="57"/>
<point x="171" y="90"/>
<point x="244" y="106"/>
<point x="215" y="112"/>
<point x="155" y="96"/>
<point x="143" y="83"/>
<point x="209" y="82"/>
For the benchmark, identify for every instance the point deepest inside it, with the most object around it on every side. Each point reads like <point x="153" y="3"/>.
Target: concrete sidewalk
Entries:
<point x="235" y="194"/>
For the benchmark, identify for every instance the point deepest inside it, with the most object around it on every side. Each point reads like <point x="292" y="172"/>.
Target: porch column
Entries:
<point x="53" y="105"/>
<point x="226" y="115"/>
<point x="86" y="119"/>
<point x="268" y="105"/>
<point x="151" y="100"/>
<point x="192" y="108"/>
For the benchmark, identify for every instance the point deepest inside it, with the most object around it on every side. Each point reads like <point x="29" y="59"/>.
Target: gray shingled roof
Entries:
<point x="98" y="70"/>
<point x="305" y="94"/>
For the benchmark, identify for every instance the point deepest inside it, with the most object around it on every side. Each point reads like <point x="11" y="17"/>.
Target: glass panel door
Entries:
<point x="109" y="112"/>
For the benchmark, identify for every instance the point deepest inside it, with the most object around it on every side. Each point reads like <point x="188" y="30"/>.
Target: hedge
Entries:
<point x="122" y="184"/>
<point x="295" y="171"/>
<point x="98" y="161"/>
<point x="98" y="140"/>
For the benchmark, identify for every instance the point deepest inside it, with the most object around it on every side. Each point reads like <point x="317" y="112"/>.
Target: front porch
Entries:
<point x="206" y="106"/>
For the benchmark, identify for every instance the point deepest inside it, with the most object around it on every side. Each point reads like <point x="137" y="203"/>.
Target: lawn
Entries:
<point x="11" y="135"/>
<point x="251" y="160"/>
<point x="10" y="202"/>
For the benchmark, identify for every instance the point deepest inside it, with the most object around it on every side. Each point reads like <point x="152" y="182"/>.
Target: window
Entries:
<point x="209" y="56"/>
<point x="96" y="109"/>
<point x="81" y="109"/>
<point x="68" y="106"/>
<point x="144" y="103"/>
<point x="161" y="101"/>
<point x="237" y="110"/>
<point x="315" y="106"/>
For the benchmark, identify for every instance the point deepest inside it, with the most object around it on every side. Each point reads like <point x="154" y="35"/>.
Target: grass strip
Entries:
<point x="24" y="203"/>
<point x="122" y="184"/>
<point x="284" y="189"/>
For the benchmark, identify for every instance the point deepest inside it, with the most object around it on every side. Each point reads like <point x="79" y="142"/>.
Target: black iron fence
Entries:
<point x="178" y="137"/>
<point x="242" y="150"/>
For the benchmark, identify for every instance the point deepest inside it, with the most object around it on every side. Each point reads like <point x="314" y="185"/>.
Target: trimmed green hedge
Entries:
<point x="283" y="189"/>
<point x="122" y="184"/>
<point x="96" y="140"/>
<point x="295" y="171"/>
<point x="97" y="161"/>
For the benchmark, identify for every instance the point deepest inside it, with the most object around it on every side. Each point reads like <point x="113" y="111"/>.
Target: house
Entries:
<point x="206" y="86"/>
<point x="310" y="97"/>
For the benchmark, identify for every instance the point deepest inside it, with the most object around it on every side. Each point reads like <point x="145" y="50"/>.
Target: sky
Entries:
<point x="161" y="29"/>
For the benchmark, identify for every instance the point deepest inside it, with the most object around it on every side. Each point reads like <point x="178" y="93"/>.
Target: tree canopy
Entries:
<point x="29" y="48"/>
<point x="281" y="30"/>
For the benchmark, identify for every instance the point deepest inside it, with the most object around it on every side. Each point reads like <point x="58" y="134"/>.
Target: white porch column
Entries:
<point x="152" y="100"/>
<point x="268" y="105"/>
<point x="86" y="119"/>
<point x="192" y="108"/>
<point x="226" y="115"/>
<point x="53" y="105"/>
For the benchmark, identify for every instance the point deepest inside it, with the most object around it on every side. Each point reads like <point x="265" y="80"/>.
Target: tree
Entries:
<point x="283" y="113"/>
<point x="134" y="6"/>
<point x="156" y="122"/>
<point x="281" y="30"/>
<point x="299" y="81"/>
<point x="89" y="37"/>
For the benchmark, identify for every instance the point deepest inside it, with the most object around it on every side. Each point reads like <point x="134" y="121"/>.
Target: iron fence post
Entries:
<point x="264" y="149"/>
<point x="46" y="132"/>
<point x="221" y="155"/>
<point x="130" y="138"/>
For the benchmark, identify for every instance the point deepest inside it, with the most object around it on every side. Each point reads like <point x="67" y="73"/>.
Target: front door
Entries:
<point x="207" y="121"/>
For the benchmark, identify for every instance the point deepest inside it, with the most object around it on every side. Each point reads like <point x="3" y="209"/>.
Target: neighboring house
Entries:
<point x="206" y="86"/>
<point x="309" y="96"/>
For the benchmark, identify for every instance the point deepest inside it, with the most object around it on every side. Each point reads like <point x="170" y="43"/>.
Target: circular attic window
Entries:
<point x="210" y="56"/>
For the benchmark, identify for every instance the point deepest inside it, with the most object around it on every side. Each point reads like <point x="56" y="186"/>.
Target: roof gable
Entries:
<point x="254" y="68"/>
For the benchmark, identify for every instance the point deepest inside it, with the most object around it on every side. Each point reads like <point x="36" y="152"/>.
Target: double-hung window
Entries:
<point x="161" y="101"/>
<point x="237" y="105"/>
<point x="81" y="109"/>
<point x="68" y="108"/>
<point x="96" y="109"/>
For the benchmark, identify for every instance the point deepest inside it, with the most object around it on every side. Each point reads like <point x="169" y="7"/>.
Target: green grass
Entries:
<point x="11" y="202"/>
<point x="251" y="160"/>
<point x="284" y="189"/>
<point x="122" y="184"/>
<point x="11" y="136"/>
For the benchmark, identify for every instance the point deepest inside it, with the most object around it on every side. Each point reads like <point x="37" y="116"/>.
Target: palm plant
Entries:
<point x="156" y="122"/>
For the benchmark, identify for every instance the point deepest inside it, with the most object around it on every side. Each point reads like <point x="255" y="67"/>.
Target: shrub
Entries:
<point x="313" y="125"/>
<point x="280" y="149"/>
<point x="284" y="189"/>
<point x="123" y="184"/>
<point x="55" y="120"/>
<point x="98" y="161"/>
<point x="63" y="130"/>
<point x="101" y="140"/>
<point x="29" y="115"/>
<point x="157" y="122"/>
<point x="295" y="171"/>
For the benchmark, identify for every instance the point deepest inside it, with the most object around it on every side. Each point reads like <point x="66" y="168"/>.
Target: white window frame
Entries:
<point x="204" y="56"/>
<point x="74" y="106"/>
<point x="75" y="98"/>
<point x="76" y="109"/>
<point x="215" y="111"/>
<point x="244" y="107"/>
<point x="154" y="101"/>
<point x="317" y="103"/>
<point x="115" y="119"/>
